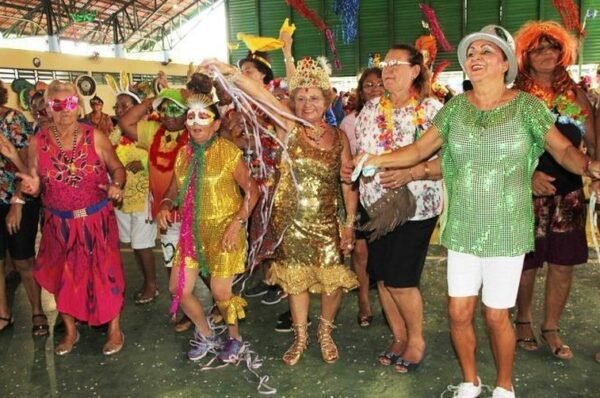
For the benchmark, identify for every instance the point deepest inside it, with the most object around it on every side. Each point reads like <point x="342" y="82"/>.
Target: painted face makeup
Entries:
<point x="171" y="110"/>
<point x="68" y="104"/>
<point x="201" y="117"/>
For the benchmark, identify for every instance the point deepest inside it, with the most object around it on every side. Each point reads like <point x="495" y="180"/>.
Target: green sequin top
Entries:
<point x="488" y="159"/>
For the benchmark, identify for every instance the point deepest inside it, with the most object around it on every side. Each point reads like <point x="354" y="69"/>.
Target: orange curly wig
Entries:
<point x="529" y="36"/>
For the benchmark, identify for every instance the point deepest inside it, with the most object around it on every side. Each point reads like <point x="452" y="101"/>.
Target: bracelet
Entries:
<point x="164" y="200"/>
<point x="16" y="200"/>
<point x="350" y="220"/>
<point x="288" y="60"/>
<point x="117" y="184"/>
<point x="241" y="220"/>
<point x="586" y="168"/>
<point x="426" y="166"/>
<point x="412" y="178"/>
<point x="233" y="77"/>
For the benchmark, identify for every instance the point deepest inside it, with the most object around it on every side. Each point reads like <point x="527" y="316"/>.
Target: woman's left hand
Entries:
<point x="112" y="192"/>
<point x="347" y="240"/>
<point x="230" y="241"/>
<point x="394" y="178"/>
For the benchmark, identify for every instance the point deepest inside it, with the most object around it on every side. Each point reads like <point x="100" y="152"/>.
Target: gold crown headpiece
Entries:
<point x="199" y="100"/>
<point x="311" y="73"/>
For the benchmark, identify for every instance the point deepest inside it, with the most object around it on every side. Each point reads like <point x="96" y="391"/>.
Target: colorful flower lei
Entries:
<point x="563" y="106"/>
<point x="155" y="153"/>
<point x="385" y="121"/>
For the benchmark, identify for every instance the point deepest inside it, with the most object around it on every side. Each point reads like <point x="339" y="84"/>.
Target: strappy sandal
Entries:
<point x="526" y="343"/>
<point x="293" y="354"/>
<point x="140" y="299"/>
<point x="403" y="366"/>
<point x="386" y="358"/>
<point x="562" y="352"/>
<point x="10" y="321"/>
<point x="364" y="321"/>
<point x="329" y="350"/>
<point x="42" y="329"/>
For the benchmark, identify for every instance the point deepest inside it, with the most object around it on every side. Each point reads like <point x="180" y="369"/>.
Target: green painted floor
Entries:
<point x="153" y="362"/>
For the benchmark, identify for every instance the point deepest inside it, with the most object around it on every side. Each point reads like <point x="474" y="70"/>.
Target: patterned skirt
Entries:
<point x="79" y="262"/>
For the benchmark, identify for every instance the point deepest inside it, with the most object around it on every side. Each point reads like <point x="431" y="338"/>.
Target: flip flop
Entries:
<point x="146" y="300"/>
<point x="10" y="321"/>
<point x="42" y="329"/>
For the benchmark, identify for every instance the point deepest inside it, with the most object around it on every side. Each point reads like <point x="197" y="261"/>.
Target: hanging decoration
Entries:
<point x="308" y="13"/>
<point x="435" y="27"/>
<point x="347" y="10"/>
<point x="83" y="16"/>
<point x="589" y="14"/>
<point x="569" y="13"/>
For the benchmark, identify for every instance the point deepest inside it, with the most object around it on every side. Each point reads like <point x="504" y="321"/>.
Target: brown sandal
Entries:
<point x="562" y="352"/>
<point x="527" y="343"/>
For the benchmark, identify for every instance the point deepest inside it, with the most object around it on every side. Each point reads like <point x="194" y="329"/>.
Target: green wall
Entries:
<point x="383" y="23"/>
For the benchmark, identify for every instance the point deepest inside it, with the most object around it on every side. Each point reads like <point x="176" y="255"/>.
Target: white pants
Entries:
<point x="498" y="277"/>
<point x="135" y="228"/>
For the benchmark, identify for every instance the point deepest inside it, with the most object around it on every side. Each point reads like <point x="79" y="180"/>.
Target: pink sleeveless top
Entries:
<point x="70" y="179"/>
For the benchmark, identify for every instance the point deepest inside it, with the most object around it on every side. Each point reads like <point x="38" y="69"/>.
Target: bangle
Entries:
<point x="16" y="200"/>
<point x="233" y="77"/>
<point x="240" y="220"/>
<point x="164" y="200"/>
<point x="350" y="220"/>
<point x="288" y="60"/>
<point x="426" y="170"/>
<point x="117" y="184"/>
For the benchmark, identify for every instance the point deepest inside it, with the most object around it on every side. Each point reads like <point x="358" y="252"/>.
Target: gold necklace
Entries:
<point x="315" y="134"/>
<point x="69" y="163"/>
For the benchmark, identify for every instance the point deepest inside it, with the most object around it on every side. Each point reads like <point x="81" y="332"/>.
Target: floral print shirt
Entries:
<point x="409" y="122"/>
<point x="15" y="127"/>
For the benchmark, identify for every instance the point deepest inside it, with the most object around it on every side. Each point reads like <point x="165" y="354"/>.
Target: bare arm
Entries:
<point x="350" y="195"/>
<point x="409" y="155"/>
<point x="128" y="122"/>
<point x="250" y="87"/>
<point x="288" y="58"/>
<point x="565" y="153"/>
<point x="590" y="136"/>
<point x="164" y="218"/>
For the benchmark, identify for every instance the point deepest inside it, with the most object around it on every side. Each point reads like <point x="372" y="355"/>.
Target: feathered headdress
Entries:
<point x="532" y="32"/>
<point x="311" y="74"/>
<point x="136" y="91"/>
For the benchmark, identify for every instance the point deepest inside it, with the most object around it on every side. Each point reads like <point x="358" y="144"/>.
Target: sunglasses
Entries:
<point x="392" y="63"/>
<point x="95" y="103"/>
<point x="68" y="104"/>
<point x="171" y="110"/>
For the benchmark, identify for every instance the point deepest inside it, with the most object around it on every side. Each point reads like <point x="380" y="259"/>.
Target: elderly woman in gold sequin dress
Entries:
<point x="308" y="260"/>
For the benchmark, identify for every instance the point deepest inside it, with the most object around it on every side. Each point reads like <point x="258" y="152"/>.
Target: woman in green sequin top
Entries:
<point x="490" y="139"/>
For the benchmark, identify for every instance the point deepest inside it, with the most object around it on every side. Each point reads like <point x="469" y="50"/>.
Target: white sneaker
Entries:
<point x="500" y="392"/>
<point x="465" y="390"/>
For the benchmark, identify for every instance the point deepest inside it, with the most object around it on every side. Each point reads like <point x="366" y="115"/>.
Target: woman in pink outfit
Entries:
<point x="78" y="259"/>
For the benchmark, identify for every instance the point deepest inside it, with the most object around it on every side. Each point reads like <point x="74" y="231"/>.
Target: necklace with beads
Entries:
<point x="68" y="162"/>
<point x="315" y="134"/>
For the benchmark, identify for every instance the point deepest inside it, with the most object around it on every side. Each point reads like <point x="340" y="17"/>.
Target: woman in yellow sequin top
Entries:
<point x="209" y="173"/>
<point x="308" y="259"/>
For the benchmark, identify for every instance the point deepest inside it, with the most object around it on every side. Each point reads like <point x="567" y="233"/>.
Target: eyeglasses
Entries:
<point x="171" y="110"/>
<point x="392" y="63"/>
<point x="373" y="85"/>
<point x="542" y="48"/>
<point x="68" y="104"/>
<point x="95" y="103"/>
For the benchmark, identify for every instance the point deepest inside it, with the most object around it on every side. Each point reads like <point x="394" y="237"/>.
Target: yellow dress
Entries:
<point x="220" y="199"/>
<point x="308" y="258"/>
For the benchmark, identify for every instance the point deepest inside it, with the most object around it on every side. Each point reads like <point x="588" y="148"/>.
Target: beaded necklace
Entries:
<point x="156" y="154"/>
<point x="385" y="121"/>
<point x="68" y="162"/>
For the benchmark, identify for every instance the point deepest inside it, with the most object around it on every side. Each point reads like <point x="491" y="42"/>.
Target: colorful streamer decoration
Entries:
<point x="435" y="27"/>
<point x="348" y="13"/>
<point x="308" y="13"/>
<point x="569" y="13"/>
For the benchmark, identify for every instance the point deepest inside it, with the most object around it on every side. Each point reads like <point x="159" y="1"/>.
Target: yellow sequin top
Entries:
<point x="220" y="200"/>
<point x="305" y="214"/>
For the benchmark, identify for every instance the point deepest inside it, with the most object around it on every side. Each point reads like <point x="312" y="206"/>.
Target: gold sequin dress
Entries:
<point x="220" y="200"/>
<point x="308" y="258"/>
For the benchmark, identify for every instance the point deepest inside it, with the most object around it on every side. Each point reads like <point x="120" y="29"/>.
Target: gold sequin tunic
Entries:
<point x="220" y="200"/>
<point x="308" y="258"/>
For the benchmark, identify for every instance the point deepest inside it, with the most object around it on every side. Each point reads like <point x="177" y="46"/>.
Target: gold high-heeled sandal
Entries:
<point x="329" y="350"/>
<point x="293" y="354"/>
